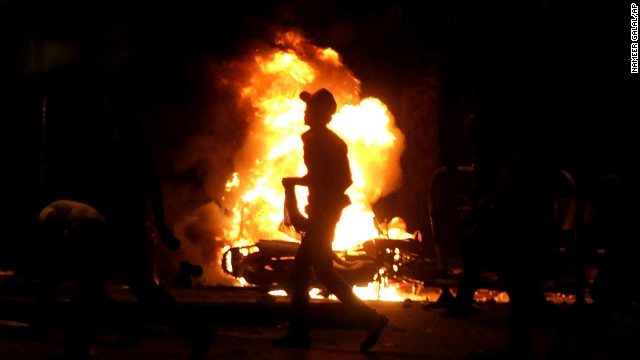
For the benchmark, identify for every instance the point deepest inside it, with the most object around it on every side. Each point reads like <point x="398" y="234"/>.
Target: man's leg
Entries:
<point x="298" y="336"/>
<point x="322" y="259"/>
<point x="158" y="303"/>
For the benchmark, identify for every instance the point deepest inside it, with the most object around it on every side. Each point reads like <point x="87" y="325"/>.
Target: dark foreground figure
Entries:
<point x="512" y="224"/>
<point x="95" y="244"/>
<point x="328" y="177"/>
<point x="134" y="184"/>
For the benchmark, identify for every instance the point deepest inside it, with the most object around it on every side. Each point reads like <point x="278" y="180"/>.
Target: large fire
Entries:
<point x="271" y="81"/>
<point x="275" y="78"/>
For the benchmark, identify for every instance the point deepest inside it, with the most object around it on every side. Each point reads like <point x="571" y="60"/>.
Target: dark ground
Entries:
<point x="246" y="319"/>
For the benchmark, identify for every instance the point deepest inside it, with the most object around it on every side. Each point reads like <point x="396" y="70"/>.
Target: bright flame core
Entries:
<point x="273" y="150"/>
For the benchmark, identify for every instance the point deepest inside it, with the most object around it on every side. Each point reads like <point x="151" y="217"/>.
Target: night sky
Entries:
<point x="563" y="63"/>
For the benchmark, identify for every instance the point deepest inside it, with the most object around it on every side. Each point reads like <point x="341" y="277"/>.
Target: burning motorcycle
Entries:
<point x="381" y="260"/>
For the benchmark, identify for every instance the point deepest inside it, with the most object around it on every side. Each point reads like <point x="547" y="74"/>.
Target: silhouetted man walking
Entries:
<point x="328" y="177"/>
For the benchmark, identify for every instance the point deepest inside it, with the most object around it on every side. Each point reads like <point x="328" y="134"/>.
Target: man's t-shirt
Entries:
<point x="328" y="171"/>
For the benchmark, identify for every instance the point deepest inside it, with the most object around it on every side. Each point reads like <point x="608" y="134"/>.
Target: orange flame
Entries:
<point x="274" y="148"/>
<point x="270" y="83"/>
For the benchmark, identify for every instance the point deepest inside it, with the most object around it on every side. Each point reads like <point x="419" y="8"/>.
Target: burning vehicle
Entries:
<point x="252" y="248"/>
<point x="267" y="263"/>
<point x="381" y="261"/>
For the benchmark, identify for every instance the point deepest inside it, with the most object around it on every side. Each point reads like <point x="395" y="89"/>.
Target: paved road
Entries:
<point x="246" y="321"/>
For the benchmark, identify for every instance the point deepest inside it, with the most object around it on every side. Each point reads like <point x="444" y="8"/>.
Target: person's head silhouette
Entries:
<point x="321" y="106"/>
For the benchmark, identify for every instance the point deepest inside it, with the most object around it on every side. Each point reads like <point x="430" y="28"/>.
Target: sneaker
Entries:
<point x="373" y="332"/>
<point x="293" y="341"/>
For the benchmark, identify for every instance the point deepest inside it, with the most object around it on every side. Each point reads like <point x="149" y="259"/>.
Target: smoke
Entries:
<point x="210" y="131"/>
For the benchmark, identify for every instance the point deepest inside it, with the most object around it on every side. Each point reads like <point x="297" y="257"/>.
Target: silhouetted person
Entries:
<point x="74" y="241"/>
<point x="491" y="148"/>
<point x="513" y="223"/>
<point x="328" y="177"/>
<point x="133" y="185"/>
<point x="615" y="292"/>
